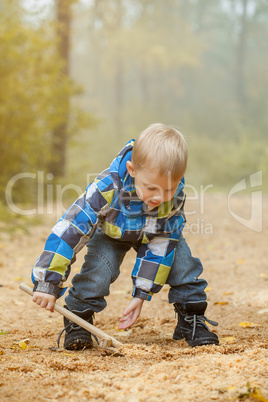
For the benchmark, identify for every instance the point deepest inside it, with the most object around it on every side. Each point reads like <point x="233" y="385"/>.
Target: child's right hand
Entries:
<point x="44" y="300"/>
<point x="131" y="313"/>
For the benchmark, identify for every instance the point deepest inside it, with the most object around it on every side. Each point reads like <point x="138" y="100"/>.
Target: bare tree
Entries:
<point x="59" y="135"/>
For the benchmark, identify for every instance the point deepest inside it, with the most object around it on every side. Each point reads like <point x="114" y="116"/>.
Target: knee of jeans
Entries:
<point x="111" y="265"/>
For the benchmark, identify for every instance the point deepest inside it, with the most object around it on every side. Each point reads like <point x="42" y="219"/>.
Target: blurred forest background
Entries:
<point x="79" y="78"/>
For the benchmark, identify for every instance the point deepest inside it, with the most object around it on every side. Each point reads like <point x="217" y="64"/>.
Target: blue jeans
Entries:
<point x="102" y="267"/>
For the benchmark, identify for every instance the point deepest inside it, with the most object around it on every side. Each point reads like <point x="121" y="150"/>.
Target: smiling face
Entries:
<point x="152" y="188"/>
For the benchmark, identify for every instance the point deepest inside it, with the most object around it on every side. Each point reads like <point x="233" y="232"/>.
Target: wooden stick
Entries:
<point x="108" y="340"/>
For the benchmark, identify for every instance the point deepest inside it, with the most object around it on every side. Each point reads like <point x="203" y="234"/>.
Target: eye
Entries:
<point x="172" y="190"/>
<point x="151" y="188"/>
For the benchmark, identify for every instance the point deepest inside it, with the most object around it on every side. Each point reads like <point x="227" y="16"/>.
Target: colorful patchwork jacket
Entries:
<point x="110" y="203"/>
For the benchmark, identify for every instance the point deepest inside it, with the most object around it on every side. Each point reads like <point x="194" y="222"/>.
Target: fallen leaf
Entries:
<point x="117" y="329"/>
<point x="22" y="345"/>
<point x="221" y="302"/>
<point x="18" y="279"/>
<point x="208" y="289"/>
<point x="256" y="394"/>
<point x="227" y="340"/>
<point x="249" y="325"/>
<point x="4" y="332"/>
<point x="1" y="352"/>
<point x="252" y="392"/>
<point x="68" y="354"/>
<point x="227" y="293"/>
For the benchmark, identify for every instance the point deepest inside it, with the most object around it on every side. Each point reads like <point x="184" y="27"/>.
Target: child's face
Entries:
<point x="152" y="188"/>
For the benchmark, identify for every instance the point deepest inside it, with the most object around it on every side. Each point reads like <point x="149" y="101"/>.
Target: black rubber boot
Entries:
<point x="192" y="327"/>
<point x="76" y="337"/>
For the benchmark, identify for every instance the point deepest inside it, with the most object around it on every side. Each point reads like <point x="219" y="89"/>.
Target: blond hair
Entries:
<point x="163" y="148"/>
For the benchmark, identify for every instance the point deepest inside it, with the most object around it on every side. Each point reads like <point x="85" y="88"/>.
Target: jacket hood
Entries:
<point x="118" y="167"/>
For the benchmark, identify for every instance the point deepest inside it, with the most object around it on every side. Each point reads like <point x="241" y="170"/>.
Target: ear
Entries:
<point x="130" y="168"/>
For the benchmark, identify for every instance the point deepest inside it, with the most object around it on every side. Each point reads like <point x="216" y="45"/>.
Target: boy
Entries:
<point x="137" y="202"/>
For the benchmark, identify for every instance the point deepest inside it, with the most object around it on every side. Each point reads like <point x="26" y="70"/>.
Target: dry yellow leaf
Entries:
<point x="117" y="329"/>
<point x="221" y="302"/>
<point x="227" y="340"/>
<point x="22" y="345"/>
<point x="249" y="324"/>
<point x="256" y="394"/>
<point x="227" y="293"/>
<point x="208" y="289"/>
<point x="18" y="279"/>
<point x="1" y="352"/>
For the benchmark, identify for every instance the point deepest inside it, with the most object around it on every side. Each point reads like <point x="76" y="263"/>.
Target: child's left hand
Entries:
<point x="131" y="313"/>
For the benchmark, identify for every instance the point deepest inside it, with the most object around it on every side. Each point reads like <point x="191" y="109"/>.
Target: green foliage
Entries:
<point x="195" y="64"/>
<point x="33" y="95"/>
<point x="4" y="332"/>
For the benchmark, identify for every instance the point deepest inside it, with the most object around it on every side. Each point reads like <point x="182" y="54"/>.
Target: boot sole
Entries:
<point x="201" y="342"/>
<point x="78" y="344"/>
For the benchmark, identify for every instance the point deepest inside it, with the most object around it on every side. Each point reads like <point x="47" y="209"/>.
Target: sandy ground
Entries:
<point x="150" y="366"/>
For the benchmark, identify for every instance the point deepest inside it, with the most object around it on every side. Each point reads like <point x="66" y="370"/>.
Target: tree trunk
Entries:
<point x="119" y="72"/>
<point x="59" y="135"/>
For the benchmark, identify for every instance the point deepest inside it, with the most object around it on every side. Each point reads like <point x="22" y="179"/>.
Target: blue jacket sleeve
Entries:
<point x="68" y="237"/>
